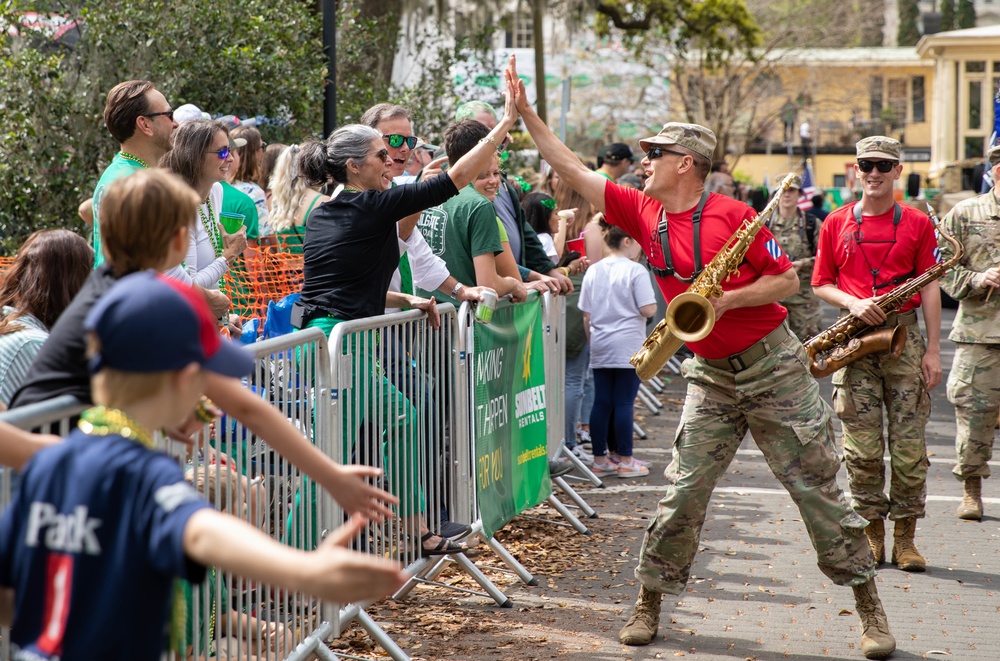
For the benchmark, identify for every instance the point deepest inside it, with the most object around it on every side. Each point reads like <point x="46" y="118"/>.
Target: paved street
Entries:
<point x="756" y="593"/>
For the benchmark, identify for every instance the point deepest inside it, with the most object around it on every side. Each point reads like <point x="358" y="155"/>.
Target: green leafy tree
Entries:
<point x="248" y="58"/>
<point x="947" y="15"/>
<point x="909" y="32"/>
<point x="966" y="15"/>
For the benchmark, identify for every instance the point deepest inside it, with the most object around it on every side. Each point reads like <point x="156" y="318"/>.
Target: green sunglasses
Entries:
<point x="395" y="140"/>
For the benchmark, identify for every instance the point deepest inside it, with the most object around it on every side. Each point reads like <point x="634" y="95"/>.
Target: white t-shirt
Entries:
<point x="613" y="290"/>
<point x="549" y="245"/>
<point x="201" y="262"/>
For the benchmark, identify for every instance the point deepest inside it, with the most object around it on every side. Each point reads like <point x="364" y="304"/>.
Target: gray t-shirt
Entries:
<point x="505" y="211"/>
<point x="613" y="290"/>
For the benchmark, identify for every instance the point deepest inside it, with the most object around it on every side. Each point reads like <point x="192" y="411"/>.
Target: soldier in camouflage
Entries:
<point x="974" y="381"/>
<point x="866" y="250"/>
<point x="749" y="373"/>
<point x="796" y="233"/>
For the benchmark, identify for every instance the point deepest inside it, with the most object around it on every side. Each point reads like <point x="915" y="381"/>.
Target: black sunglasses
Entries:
<point x="883" y="166"/>
<point x="656" y="152"/>
<point x="381" y="154"/>
<point x="169" y="114"/>
<point x="396" y="140"/>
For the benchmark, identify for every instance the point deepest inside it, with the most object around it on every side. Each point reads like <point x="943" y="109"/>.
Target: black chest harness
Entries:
<point x="897" y="216"/>
<point x="665" y="244"/>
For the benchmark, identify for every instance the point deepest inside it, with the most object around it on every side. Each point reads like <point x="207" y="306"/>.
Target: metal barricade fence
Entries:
<point x="229" y="616"/>
<point x="396" y="405"/>
<point x="243" y="476"/>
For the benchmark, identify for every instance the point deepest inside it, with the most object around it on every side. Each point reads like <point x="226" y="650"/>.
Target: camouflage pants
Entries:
<point x="974" y="389"/>
<point x="779" y="402"/>
<point x="804" y="315"/>
<point x="860" y="391"/>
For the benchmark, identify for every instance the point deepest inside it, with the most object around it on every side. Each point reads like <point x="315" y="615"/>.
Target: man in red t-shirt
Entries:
<point x="865" y="251"/>
<point x="749" y="373"/>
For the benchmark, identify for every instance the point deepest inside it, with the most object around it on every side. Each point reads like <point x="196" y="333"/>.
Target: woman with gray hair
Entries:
<point x="351" y="251"/>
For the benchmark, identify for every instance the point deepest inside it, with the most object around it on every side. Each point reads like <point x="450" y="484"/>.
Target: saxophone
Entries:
<point x="850" y="338"/>
<point x="690" y="316"/>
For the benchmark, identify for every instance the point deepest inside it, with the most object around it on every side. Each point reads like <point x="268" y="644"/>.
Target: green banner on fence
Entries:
<point x="508" y="379"/>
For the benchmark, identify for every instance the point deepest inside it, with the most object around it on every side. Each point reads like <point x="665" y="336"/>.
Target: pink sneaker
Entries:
<point x="635" y="469"/>
<point x="604" y="471"/>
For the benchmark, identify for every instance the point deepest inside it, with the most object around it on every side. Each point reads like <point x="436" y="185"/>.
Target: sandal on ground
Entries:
<point x="444" y="547"/>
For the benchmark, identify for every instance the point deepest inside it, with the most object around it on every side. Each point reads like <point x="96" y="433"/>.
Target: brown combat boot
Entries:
<point x="904" y="551"/>
<point x="876" y="639"/>
<point x="971" y="508"/>
<point x="876" y="539"/>
<point x="641" y="627"/>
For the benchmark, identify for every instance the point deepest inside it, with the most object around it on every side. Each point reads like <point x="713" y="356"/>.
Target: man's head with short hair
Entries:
<point x="616" y="159"/>
<point x="477" y="110"/>
<point x="141" y="215"/>
<point x="462" y="137"/>
<point x="692" y="139"/>
<point x="138" y="115"/>
<point x="393" y="122"/>
<point x="720" y="182"/>
<point x="126" y="102"/>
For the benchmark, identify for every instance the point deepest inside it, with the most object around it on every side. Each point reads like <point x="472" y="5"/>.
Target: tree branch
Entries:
<point x="614" y="13"/>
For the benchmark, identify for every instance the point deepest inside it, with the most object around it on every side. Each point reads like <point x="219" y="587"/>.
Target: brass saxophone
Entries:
<point x="690" y="316"/>
<point x="850" y="338"/>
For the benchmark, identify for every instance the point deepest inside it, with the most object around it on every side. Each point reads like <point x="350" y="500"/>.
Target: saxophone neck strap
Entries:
<point x="665" y="244"/>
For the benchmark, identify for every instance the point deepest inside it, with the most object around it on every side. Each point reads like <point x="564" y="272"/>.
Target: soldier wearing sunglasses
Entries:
<point x="866" y="250"/>
<point x="748" y="374"/>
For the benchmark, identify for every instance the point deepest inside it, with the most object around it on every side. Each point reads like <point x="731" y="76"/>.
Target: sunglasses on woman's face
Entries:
<point x="396" y="140"/>
<point x="883" y="166"/>
<point x="381" y="155"/>
<point x="223" y="153"/>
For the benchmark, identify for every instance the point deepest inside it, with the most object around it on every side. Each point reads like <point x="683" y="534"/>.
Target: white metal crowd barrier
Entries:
<point x="229" y="616"/>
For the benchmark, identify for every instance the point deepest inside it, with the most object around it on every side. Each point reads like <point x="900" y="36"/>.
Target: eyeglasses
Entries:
<point x="223" y="153"/>
<point x="396" y="140"/>
<point x="381" y="154"/>
<point x="656" y="152"/>
<point x="169" y="114"/>
<point x="883" y="166"/>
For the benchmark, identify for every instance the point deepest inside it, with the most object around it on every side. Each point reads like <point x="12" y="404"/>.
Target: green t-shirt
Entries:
<point x="462" y="228"/>
<point x="120" y="167"/>
<point x="237" y="204"/>
<point x="503" y="231"/>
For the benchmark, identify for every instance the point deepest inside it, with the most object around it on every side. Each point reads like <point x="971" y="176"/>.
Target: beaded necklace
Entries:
<point x="352" y="189"/>
<point x="135" y="159"/>
<point x="210" y="228"/>
<point x="104" y="421"/>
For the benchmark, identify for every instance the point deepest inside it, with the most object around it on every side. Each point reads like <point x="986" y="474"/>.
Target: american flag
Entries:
<point x="808" y="188"/>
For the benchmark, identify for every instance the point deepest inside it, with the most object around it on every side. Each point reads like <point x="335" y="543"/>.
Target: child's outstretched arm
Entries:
<point x="330" y="572"/>
<point x="347" y="484"/>
<point x="17" y="446"/>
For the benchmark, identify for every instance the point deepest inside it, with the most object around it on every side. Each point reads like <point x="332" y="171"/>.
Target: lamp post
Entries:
<point x="330" y="86"/>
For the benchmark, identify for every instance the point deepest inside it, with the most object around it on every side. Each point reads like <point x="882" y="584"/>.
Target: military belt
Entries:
<point x="743" y="360"/>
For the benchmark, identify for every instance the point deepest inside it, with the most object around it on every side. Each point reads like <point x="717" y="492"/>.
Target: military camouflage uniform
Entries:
<point x="804" y="315"/>
<point x="860" y="389"/>
<point x="974" y="381"/>
<point x="779" y="402"/>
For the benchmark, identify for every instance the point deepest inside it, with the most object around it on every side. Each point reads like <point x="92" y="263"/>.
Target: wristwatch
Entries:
<point x="458" y="287"/>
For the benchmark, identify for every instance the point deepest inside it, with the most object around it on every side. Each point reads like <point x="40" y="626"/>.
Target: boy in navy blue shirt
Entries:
<point x="103" y="523"/>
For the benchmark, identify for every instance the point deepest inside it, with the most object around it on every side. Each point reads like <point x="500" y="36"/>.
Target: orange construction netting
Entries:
<point x="265" y="273"/>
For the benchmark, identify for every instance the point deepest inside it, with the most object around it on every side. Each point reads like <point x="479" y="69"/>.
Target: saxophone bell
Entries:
<point x="690" y="317"/>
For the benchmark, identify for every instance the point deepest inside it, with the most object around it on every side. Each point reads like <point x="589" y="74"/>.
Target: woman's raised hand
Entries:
<point x="515" y="87"/>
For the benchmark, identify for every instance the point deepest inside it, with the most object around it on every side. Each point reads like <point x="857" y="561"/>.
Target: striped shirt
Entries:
<point x="17" y="351"/>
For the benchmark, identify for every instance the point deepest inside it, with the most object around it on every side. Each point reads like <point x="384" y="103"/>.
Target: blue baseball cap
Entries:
<point x="147" y="322"/>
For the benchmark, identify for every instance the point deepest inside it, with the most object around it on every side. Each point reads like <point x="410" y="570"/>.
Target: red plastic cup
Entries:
<point x="576" y="245"/>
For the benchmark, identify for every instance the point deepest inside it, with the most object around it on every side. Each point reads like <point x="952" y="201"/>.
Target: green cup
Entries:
<point x="231" y="222"/>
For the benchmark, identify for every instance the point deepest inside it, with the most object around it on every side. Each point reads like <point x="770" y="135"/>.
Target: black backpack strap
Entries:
<point x="665" y="244"/>
<point x="897" y="213"/>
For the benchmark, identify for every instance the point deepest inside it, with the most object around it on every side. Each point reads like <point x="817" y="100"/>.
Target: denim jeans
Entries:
<point x="578" y="375"/>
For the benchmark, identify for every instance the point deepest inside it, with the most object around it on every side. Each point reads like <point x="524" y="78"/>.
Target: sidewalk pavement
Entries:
<point x="755" y="592"/>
